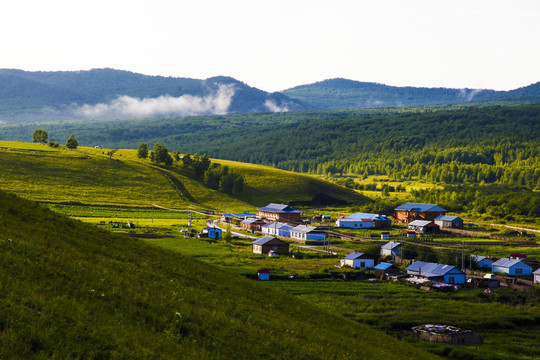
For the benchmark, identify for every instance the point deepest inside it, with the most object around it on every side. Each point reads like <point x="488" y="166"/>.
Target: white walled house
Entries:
<point x="390" y="249"/>
<point x="277" y="229"/>
<point x="358" y="260"/>
<point x="536" y="279"/>
<point x="303" y="233"/>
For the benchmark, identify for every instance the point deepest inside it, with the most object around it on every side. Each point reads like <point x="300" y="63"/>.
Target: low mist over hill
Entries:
<point x="108" y="93"/>
<point x="116" y="94"/>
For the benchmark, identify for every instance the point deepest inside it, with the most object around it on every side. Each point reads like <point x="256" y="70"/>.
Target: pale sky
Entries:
<point x="275" y="45"/>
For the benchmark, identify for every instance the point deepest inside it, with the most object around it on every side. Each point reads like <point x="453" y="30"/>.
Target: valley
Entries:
<point x="118" y="187"/>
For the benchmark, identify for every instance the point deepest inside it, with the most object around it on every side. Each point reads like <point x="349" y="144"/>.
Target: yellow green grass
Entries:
<point x="266" y="184"/>
<point x="104" y="177"/>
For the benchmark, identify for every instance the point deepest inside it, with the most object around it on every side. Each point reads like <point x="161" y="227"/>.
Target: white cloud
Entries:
<point x="273" y="107"/>
<point x="127" y="106"/>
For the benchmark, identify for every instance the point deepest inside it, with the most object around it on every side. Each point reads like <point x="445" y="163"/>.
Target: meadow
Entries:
<point x="71" y="290"/>
<point x="394" y="308"/>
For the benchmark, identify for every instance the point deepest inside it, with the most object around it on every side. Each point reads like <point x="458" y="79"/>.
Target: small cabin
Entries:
<point x="263" y="274"/>
<point x="210" y="233"/>
<point x="358" y="260"/>
<point x="269" y="243"/>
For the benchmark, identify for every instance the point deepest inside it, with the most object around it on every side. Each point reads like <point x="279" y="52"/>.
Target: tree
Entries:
<point x="142" y="151"/>
<point x="72" y="143"/>
<point x="161" y="155"/>
<point x="40" y="136"/>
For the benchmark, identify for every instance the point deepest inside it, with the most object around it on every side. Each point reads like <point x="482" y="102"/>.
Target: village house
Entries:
<point x="232" y="217"/>
<point x="391" y="249"/>
<point x="364" y="221"/>
<point x="409" y="212"/>
<point x="385" y="270"/>
<point x="514" y="267"/>
<point x="304" y="232"/>
<point x="423" y="226"/>
<point x="449" y="222"/>
<point x="358" y="260"/>
<point x="252" y="224"/>
<point x="210" y="233"/>
<point x="277" y="229"/>
<point x="280" y="213"/>
<point x="482" y="262"/>
<point x="436" y="272"/>
<point x="269" y="243"/>
<point x="536" y="277"/>
<point x="263" y="274"/>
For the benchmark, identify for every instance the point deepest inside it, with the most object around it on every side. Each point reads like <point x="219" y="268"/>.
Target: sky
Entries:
<point x="275" y="45"/>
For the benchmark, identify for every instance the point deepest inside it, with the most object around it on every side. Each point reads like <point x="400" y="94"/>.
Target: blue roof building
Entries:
<point x="449" y="221"/>
<point x="511" y="267"/>
<point x="277" y="229"/>
<point x="364" y="221"/>
<point x="409" y="212"/>
<point x="436" y="272"/>
<point x="391" y="249"/>
<point x="280" y="212"/>
<point x="482" y="262"/>
<point x="303" y="233"/>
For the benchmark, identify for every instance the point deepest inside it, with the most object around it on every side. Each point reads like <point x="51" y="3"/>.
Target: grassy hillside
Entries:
<point x="92" y="176"/>
<point x="70" y="290"/>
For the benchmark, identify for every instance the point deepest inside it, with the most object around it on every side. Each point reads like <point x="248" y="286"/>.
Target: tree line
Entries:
<point x="197" y="166"/>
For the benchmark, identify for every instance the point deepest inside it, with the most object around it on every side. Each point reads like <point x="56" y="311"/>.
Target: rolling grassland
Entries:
<point x="71" y="290"/>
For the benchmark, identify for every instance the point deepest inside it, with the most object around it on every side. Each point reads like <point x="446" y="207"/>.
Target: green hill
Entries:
<point x="92" y="176"/>
<point x="71" y="290"/>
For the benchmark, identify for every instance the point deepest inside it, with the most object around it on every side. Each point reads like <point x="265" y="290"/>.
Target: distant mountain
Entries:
<point x="116" y="93"/>
<point x="349" y="94"/>
<point x="113" y="94"/>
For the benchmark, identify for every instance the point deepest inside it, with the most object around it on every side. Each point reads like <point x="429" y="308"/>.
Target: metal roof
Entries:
<point x="349" y="220"/>
<point x="419" y="207"/>
<point x="277" y="225"/>
<point x="353" y="256"/>
<point x="250" y="221"/>
<point x="448" y="218"/>
<point x="367" y="216"/>
<point x="507" y="263"/>
<point x="430" y="269"/>
<point x="304" y="228"/>
<point x="263" y="240"/>
<point x="478" y="258"/>
<point x="383" y="266"/>
<point x="420" y="223"/>
<point x="279" y="208"/>
<point x="390" y="245"/>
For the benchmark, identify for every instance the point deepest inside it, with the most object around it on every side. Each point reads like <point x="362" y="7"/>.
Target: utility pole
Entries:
<point x="463" y="256"/>
<point x="189" y="218"/>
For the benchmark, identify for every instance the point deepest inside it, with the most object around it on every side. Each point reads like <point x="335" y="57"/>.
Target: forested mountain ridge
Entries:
<point x="115" y="94"/>
<point x="37" y="96"/>
<point x="348" y="94"/>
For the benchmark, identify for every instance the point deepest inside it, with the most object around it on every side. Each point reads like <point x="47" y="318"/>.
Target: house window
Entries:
<point x="362" y="264"/>
<point x="450" y="279"/>
<point x="519" y="271"/>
